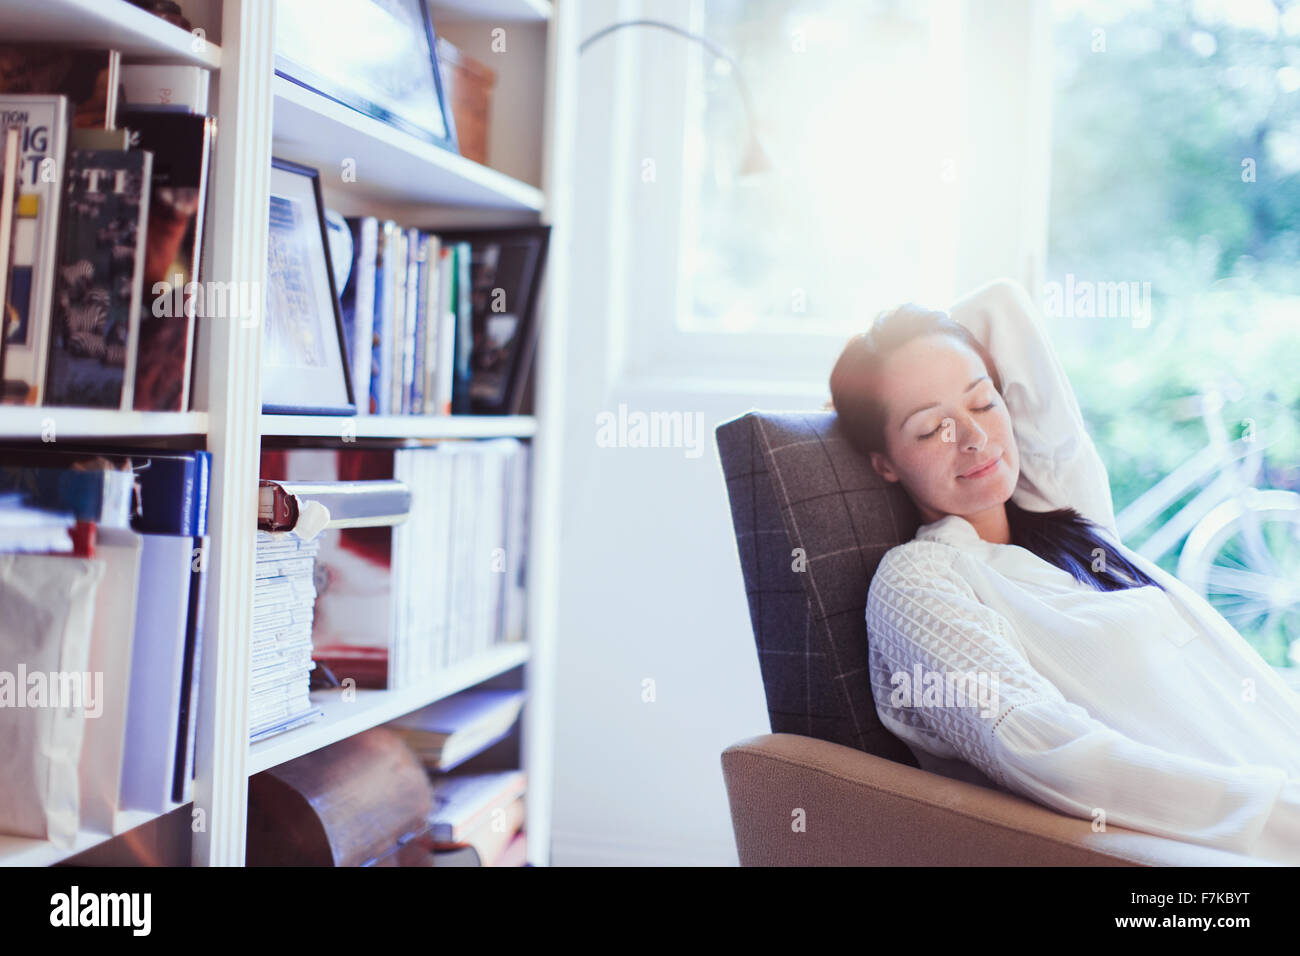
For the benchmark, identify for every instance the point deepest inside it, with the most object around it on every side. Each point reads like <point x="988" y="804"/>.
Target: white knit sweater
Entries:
<point x="1139" y="708"/>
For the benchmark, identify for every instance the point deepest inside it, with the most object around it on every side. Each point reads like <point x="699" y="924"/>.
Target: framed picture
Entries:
<point x="506" y="268"/>
<point x="303" y="371"/>
<point x="378" y="58"/>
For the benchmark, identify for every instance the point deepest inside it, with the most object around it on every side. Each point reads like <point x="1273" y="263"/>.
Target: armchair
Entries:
<point x="830" y="785"/>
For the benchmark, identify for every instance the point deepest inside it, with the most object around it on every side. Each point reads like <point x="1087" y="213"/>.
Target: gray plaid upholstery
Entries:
<point x="795" y="482"/>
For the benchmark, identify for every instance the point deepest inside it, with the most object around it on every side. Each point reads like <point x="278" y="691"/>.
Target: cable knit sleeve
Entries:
<point x="1059" y="464"/>
<point x="924" y="619"/>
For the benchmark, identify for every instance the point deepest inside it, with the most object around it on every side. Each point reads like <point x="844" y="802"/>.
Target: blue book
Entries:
<point x="191" y="665"/>
<point x="103" y="497"/>
<point x="204" y="461"/>
<point x="463" y="304"/>
<point x="381" y="364"/>
<point x="169" y="494"/>
<point x="421" y="320"/>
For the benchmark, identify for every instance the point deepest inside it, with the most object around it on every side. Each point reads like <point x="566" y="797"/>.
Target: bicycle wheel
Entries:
<point x="1244" y="559"/>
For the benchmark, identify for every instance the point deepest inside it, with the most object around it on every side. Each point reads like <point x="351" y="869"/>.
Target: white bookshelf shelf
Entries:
<point x="389" y="164"/>
<point x="398" y="176"/>
<point x="371" y="708"/>
<point x="505" y="11"/>
<point x="18" y="851"/>
<point x="21" y="422"/>
<point x="399" y="426"/>
<point x="113" y="24"/>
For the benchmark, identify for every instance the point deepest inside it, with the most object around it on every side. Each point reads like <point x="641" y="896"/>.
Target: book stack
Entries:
<point x="406" y="306"/>
<point x="450" y="731"/>
<point x="103" y="570"/>
<point x="105" y="238"/>
<point x="440" y="324"/>
<point x="436" y="590"/>
<point x="478" y="819"/>
<point x="284" y="597"/>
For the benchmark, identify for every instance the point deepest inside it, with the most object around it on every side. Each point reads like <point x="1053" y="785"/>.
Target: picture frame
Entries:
<point x="303" y="367"/>
<point x="512" y="260"/>
<point x="388" y="70"/>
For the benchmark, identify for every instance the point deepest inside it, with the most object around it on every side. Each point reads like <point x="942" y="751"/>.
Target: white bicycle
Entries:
<point x="1242" y="543"/>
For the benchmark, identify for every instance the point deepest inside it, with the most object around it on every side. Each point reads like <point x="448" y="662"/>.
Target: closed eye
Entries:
<point x="988" y="407"/>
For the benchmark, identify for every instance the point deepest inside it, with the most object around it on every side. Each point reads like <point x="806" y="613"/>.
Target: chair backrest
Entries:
<point x="812" y="521"/>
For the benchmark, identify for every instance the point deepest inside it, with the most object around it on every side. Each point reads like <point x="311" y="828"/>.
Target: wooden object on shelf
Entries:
<point x="359" y="801"/>
<point x="468" y="85"/>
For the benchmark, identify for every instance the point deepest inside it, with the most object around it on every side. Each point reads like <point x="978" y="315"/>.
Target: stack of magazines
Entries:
<point x="283" y="601"/>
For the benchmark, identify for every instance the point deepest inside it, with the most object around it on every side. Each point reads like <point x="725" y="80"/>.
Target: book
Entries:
<point x="24" y="529"/>
<point x="515" y="853"/>
<point x="351" y="504"/>
<point x="160" y="492"/>
<point x="118" y="139"/>
<point x="52" y="598"/>
<point x="446" y="344"/>
<point x="396" y="344"/>
<point x="100" y="767"/>
<point x="181" y="144"/>
<point x="354" y="565"/>
<point x="507" y="270"/>
<point x="95" y="332"/>
<point x="157" y="665"/>
<point x="43" y="123"/>
<point x="432" y="320"/>
<point x="357" y="303"/>
<point x="465" y="801"/>
<point x="516" y="596"/>
<point x="450" y="731"/>
<point x="102" y="495"/>
<point x="462" y="303"/>
<point x="381" y="367"/>
<point x="283" y="615"/>
<point x="414" y="249"/>
<point x="91" y="79"/>
<point x="8" y="214"/>
<point x="459" y="856"/>
<point x="428" y="592"/>
<point x="493" y="835"/>
<point x="173" y="492"/>
<point x="165" y="87"/>
<point x="191" y="667"/>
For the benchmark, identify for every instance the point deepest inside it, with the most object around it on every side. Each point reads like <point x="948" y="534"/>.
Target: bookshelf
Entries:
<point x="370" y="708"/>
<point x="57" y="424"/>
<point x="314" y="131"/>
<point x="260" y="116"/>
<point x="96" y="23"/>
<point x="399" y="426"/>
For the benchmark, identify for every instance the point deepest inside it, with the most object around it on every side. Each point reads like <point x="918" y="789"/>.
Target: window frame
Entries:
<point x="1008" y="44"/>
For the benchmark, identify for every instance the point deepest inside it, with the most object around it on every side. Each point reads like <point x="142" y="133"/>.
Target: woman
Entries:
<point x="1121" y="696"/>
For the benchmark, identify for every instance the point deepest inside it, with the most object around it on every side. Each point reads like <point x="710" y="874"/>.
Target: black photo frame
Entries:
<point x="511" y="259"/>
<point x="304" y="368"/>
<point x="382" y="62"/>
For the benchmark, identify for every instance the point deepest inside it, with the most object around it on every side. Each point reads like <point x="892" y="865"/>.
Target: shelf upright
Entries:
<point x="238" y="200"/>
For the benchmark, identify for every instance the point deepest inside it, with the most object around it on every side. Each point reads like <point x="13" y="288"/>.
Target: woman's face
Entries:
<point x="944" y="419"/>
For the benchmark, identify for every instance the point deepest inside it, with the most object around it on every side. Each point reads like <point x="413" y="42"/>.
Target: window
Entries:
<point x="1176" y="181"/>
<point x="856" y="104"/>
<point x="908" y="143"/>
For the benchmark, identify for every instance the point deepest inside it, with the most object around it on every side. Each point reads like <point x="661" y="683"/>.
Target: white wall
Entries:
<point x="650" y="585"/>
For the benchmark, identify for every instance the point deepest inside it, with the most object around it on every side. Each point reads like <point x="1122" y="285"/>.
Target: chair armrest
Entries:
<point x="863" y="810"/>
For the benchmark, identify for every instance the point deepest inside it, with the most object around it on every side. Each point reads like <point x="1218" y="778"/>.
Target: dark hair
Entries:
<point x="1062" y="537"/>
